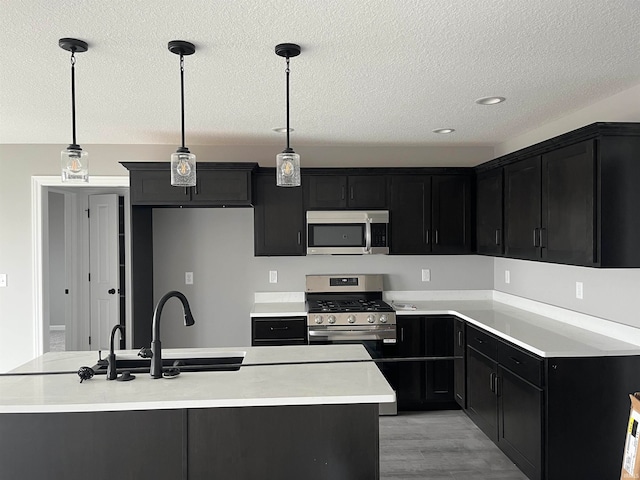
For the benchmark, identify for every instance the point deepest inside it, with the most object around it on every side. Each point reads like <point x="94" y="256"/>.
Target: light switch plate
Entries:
<point x="3" y="279"/>
<point x="188" y="278"/>
<point x="426" y="275"/>
<point x="507" y="276"/>
<point x="273" y="276"/>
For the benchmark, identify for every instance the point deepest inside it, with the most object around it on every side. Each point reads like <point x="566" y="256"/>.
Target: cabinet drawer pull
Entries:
<point x="280" y="328"/>
<point x="516" y="361"/>
<point x="479" y="340"/>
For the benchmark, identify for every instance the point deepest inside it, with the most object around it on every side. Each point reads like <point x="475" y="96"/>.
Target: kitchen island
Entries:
<point x="290" y="412"/>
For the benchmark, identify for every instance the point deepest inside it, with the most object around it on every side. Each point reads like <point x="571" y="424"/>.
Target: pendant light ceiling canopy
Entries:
<point x="74" y="160"/>
<point x="288" y="162"/>
<point x="183" y="162"/>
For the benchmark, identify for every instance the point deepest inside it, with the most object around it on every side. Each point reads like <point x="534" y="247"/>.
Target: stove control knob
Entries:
<point x="351" y="319"/>
<point x="318" y="319"/>
<point x="331" y="319"/>
<point x="371" y="319"/>
<point x="383" y="319"/>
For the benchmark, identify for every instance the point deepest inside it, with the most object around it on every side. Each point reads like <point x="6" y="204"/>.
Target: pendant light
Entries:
<point x="74" y="160"/>
<point x="183" y="162"/>
<point x="288" y="162"/>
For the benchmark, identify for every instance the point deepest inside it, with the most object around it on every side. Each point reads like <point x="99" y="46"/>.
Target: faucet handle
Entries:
<point x="145" y="352"/>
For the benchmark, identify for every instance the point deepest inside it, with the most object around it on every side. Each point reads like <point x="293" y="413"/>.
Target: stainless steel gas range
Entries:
<point x="349" y="309"/>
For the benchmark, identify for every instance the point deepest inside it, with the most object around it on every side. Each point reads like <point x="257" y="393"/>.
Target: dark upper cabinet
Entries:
<point x="489" y="224"/>
<point x="568" y="219"/>
<point x="278" y="218"/>
<point x="423" y="385"/>
<point x="522" y="209"/>
<point x="550" y="206"/>
<point x="217" y="185"/>
<point x="571" y="199"/>
<point x="430" y="214"/>
<point x="451" y="213"/>
<point x="346" y="191"/>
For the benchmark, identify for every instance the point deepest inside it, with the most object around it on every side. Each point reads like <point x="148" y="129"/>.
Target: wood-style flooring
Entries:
<point x="440" y="445"/>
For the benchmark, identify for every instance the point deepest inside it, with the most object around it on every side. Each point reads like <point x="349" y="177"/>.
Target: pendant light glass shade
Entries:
<point x="288" y="162"/>
<point x="75" y="164"/>
<point x="74" y="161"/>
<point x="183" y="162"/>
<point x="183" y="168"/>
<point x="288" y="169"/>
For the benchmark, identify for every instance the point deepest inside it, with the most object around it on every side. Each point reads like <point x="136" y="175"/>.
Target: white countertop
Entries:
<point x="262" y="385"/>
<point x="542" y="329"/>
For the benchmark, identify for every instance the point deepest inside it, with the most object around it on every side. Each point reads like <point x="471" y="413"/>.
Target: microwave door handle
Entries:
<point x="367" y="236"/>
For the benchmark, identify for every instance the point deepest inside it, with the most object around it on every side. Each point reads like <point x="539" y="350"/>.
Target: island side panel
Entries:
<point x="314" y="442"/>
<point x="126" y="445"/>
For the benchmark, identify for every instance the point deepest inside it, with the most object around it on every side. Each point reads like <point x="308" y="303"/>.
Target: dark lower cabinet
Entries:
<point x="508" y="408"/>
<point x="520" y="410"/>
<point x="555" y="418"/>
<point x="460" y="363"/>
<point x="425" y="384"/>
<point x="270" y="331"/>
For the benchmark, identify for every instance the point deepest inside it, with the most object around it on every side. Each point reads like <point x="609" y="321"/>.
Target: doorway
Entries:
<point x="67" y="307"/>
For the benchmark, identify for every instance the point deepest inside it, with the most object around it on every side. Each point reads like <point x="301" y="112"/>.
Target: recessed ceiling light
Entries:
<point x="490" y="100"/>
<point x="444" y="130"/>
<point x="282" y="130"/>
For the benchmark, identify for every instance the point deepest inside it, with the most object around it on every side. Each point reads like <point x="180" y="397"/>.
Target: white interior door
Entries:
<point x="103" y="268"/>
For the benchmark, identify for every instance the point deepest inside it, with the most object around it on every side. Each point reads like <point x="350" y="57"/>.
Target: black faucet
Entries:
<point x="111" y="358"/>
<point x="156" y="349"/>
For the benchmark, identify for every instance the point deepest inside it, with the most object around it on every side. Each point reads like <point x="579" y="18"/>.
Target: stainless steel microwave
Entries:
<point x="347" y="232"/>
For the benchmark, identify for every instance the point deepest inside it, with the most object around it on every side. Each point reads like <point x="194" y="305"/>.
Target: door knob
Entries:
<point x="112" y="291"/>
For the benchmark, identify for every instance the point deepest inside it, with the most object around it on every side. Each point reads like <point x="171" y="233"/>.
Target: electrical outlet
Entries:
<point x="426" y="275"/>
<point x="273" y="276"/>
<point x="579" y="290"/>
<point x="188" y="278"/>
<point x="507" y="276"/>
<point x="3" y="279"/>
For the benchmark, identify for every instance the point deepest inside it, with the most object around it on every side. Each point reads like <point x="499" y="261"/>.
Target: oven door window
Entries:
<point x="337" y="235"/>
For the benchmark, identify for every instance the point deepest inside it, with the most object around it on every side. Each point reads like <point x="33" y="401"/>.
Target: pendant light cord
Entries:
<point x="182" y="94"/>
<point x="73" y="95"/>
<point x="287" y="72"/>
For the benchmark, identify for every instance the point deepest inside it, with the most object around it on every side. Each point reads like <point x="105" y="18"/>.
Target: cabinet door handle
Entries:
<point x="516" y="361"/>
<point x="541" y="232"/>
<point x="492" y="382"/>
<point x="401" y="334"/>
<point x="343" y="192"/>
<point x="497" y="388"/>
<point x="299" y="237"/>
<point x="535" y="237"/>
<point x="497" y="236"/>
<point x="427" y="242"/>
<point x="186" y="190"/>
<point x="436" y="237"/>
<point x="351" y="193"/>
<point x="460" y="338"/>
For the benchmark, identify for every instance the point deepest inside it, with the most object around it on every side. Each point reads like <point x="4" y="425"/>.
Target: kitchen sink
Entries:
<point x="200" y="363"/>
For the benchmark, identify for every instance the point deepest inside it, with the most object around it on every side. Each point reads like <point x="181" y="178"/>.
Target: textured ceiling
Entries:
<point x="371" y="72"/>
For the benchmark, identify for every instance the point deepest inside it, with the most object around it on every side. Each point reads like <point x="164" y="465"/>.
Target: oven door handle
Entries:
<point x="352" y="335"/>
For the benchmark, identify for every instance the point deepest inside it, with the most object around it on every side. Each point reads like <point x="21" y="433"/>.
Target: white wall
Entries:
<point x="217" y="246"/>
